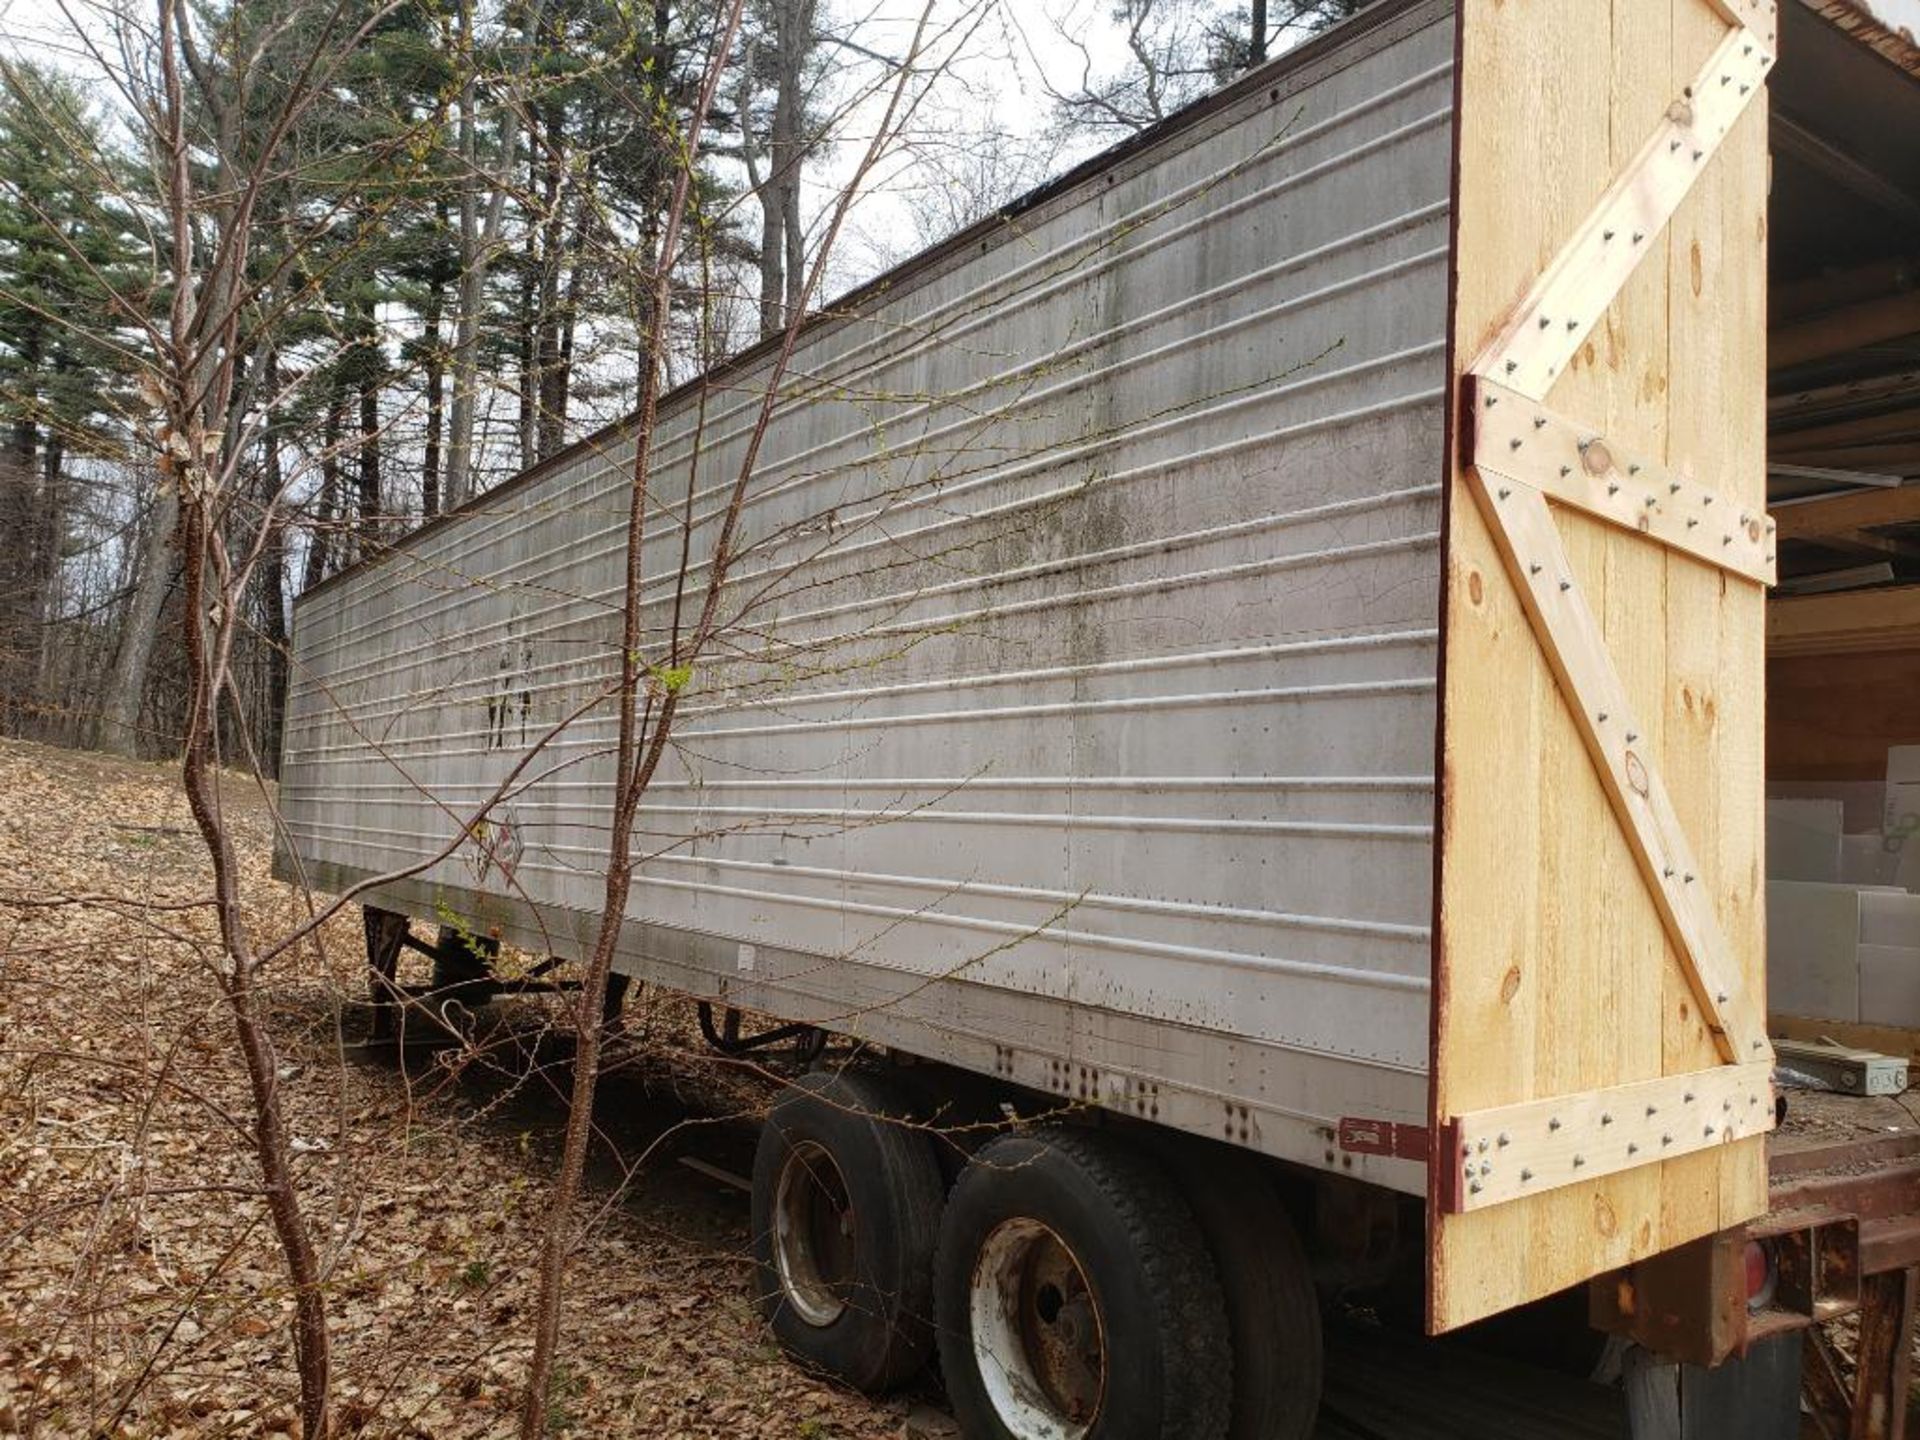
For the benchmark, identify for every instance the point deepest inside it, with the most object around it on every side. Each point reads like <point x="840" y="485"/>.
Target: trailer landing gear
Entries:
<point x="465" y="976"/>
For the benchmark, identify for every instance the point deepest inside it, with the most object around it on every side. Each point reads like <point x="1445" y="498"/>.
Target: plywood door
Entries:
<point x="1599" y="1062"/>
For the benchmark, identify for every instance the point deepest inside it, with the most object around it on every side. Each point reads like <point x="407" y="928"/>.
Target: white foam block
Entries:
<point x="1804" y="839"/>
<point x="1903" y="764"/>
<point x="1890" y="985"/>
<point x="1889" y="917"/>
<point x="1865" y="860"/>
<point x="1813" y="934"/>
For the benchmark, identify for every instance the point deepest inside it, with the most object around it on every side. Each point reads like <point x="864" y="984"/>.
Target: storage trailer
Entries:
<point x="1240" y="696"/>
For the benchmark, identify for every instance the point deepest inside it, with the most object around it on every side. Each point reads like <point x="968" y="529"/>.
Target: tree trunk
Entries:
<point x="371" y="513"/>
<point x="320" y="548"/>
<point x="119" y="732"/>
<point x="477" y="245"/>
<point x="557" y="396"/>
<point x="19" y="526"/>
<point x="782" y="241"/>
<point x="473" y="280"/>
<point x="436" y="367"/>
<point x="550" y="423"/>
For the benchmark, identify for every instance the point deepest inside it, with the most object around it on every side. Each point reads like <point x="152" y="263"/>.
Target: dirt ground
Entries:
<point x="140" y="1293"/>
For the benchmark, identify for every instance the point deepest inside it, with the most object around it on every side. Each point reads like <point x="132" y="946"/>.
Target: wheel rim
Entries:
<point x="813" y="1234"/>
<point x="1039" y="1340"/>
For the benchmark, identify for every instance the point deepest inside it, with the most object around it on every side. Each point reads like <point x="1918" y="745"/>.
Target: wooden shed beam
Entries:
<point x="1798" y="298"/>
<point x="1790" y="137"/>
<point x="1837" y="514"/>
<point x="1848" y="395"/>
<point x="1846" y="622"/>
<point x="1897" y="424"/>
<point x="1854" y="327"/>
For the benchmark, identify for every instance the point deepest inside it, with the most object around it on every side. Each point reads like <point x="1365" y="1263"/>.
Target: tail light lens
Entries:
<point x="1763" y="1275"/>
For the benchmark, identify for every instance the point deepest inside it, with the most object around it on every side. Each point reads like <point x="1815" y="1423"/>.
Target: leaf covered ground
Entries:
<point x="140" y="1290"/>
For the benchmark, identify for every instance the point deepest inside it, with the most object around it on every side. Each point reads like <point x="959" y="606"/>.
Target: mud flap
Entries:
<point x="1755" y="1396"/>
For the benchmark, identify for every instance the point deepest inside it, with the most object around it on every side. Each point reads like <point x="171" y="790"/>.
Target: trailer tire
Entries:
<point x="1076" y="1297"/>
<point x="1273" y="1310"/>
<point x="846" y="1213"/>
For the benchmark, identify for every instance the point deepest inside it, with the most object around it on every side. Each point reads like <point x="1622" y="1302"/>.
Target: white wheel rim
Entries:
<point x="813" y="1234"/>
<point x="1039" y="1340"/>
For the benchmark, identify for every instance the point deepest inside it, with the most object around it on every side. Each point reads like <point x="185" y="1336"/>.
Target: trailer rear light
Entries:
<point x="1763" y="1275"/>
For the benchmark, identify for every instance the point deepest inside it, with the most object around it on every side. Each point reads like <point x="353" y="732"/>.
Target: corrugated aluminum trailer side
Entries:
<point x="1075" y="718"/>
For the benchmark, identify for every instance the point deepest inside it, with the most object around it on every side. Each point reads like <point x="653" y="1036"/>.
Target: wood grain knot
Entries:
<point x="1604" y="1220"/>
<point x="1636" y="774"/>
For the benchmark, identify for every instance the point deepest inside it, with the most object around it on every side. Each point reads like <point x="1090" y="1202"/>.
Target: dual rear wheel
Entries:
<point x="1071" y="1286"/>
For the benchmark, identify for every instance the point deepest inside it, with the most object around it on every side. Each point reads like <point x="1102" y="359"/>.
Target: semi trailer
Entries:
<point x="1235" y="736"/>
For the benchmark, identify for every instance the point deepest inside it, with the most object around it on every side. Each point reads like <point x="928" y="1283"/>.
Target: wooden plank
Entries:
<point x="1837" y="514"/>
<point x="1835" y="333"/>
<point x="1847" y="395"/>
<point x="1801" y="298"/>
<point x="1554" y="971"/>
<point x="1713" y="741"/>
<point x="1513" y="1152"/>
<point x="1844" y="623"/>
<point x="1897" y="458"/>
<point x="1576" y="650"/>
<point x="1896" y="425"/>
<point x="1527" y="443"/>
<point x="1552" y="322"/>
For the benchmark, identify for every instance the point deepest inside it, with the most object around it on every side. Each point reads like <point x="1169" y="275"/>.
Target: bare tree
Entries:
<point x="1177" y="51"/>
<point x="479" y="239"/>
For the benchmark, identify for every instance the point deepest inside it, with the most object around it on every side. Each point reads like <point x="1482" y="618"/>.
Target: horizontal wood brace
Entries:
<point x="1512" y="1151"/>
<point x="1572" y="294"/>
<point x="1524" y="442"/>
<point x="1575" y="649"/>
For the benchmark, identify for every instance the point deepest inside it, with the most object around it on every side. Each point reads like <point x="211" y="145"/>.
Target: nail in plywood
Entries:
<point x="1560" y="971"/>
<point x="1517" y="1151"/>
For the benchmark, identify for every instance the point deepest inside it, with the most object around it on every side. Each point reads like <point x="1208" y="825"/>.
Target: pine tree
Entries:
<point x="66" y="355"/>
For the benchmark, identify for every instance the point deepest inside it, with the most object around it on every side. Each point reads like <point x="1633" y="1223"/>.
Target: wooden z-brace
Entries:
<point x="1523" y="458"/>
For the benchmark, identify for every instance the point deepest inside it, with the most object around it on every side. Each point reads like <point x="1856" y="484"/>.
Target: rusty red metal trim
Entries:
<point x="1383" y="1137"/>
